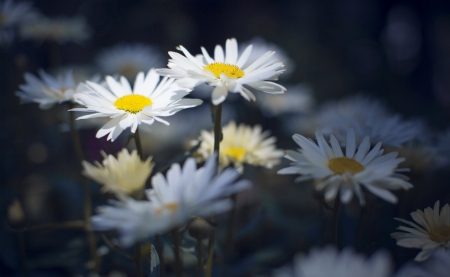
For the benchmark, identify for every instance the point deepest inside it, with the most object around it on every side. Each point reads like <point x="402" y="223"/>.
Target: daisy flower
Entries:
<point x="147" y="102"/>
<point x="13" y="13"/>
<point x="129" y="59"/>
<point x="48" y="90"/>
<point x="431" y="233"/>
<point x="240" y="145"/>
<point x="368" y="117"/>
<point x="328" y="262"/>
<point x="173" y="200"/>
<point x="346" y="173"/>
<point x="125" y="175"/>
<point x="438" y="265"/>
<point x="227" y="72"/>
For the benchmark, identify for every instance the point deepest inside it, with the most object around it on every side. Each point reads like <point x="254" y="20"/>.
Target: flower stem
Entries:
<point x="199" y="257"/>
<point x="337" y="204"/>
<point x="176" y="250"/>
<point x="160" y="250"/>
<point x="137" y="140"/>
<point x="138" y="259"/>
<point x="87" y="193"/>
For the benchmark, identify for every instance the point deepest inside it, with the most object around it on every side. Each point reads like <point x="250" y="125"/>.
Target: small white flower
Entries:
<point x="433" y="231"/>
<point x="48" y="90"/>
<point x="15" y="13"/>
<point x="185" y="192"/>
<point x="125" y="175"/>
<point x="226" y="72"/>
<point x="240" y="145"/>
<point x="329" y="262"/>
<point x="129" y="59"/>
<point x="368" y="117"/>
<point x="438" y="265"/>
<point x="61" y="30"/>
<point x="346" y="173"/>
<point x="147" y="102"/>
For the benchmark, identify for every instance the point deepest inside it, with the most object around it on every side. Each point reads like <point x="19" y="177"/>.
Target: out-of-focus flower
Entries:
<point x="125" y="175"/>
<point x="336" y="172"/>
<point x="261" y="46"/>
<point x="185" y="192"/>
<point x="433" y="231"/>
<point x="48" y="90"/>
<point x="15" y="13"/>
<point x="328" y="262"/>
<point x="148" y="101"/>
<point x="60" y="30"/>
<point x="368" y="117"/>
<point x="438" y="265"/>
<point x="226" y="72"/>
<point x="298" y="100"/>
<point x="240" y="145"/>
<point x="129" y="59"/>
<point x="419" y="157"/>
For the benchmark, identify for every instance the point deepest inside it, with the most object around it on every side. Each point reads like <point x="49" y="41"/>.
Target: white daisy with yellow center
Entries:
<point x="227" y="72"/>
<point x="345" y="174"/>
<point x="147" y="102"/>
<point x="241" y="145"/>
<point x="432" y="231"/>
<point x="173" y="200"/>
<point x="125" y="175"/>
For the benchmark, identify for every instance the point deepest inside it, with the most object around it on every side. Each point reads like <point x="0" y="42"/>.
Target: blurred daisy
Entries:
<point x="328" y="262"/>
<point x="125" y="175"/>
<point x="261" y="46"/>
<point x="185" y="192"/>
<point x="368" y="117"/>
<point x="433" y="231"/>
<point x="240" y="145"/>
<point x="147" y="102"/>
<point x="129" y="59"/>
<point x="438" y="265"/>
<point x="346" y="173"/>
<point x="61" y="30"/>
<point x="226" y="72"/>
<point x="14" y="13"/>
<point x="48" y="90"/>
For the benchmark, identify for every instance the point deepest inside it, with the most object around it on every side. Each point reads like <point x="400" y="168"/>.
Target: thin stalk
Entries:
<point x="176" y="250"/>
<point x="231" y="226"/>
<point x="23" y="253"/>
<point x="217" y="140"/>
<point x="159" y="249"/>
<point x="323" y="223"/>
<point x="138" y="259"/>
<point x="87" y="193"/>
<point x="137" y="140"/>
<point x="115" y="247"/>
<point x="337" y="204"/>
<point x="199" y="257"/>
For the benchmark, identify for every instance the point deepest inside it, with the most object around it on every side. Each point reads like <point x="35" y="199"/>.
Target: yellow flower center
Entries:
<point x="236" y="153"/>
<point x="232" y="71"/>
<point x="132" y="103"/>
<point x="172" y="207"/>
<point x="440" y="234"/>
<point x="341" y="165"/>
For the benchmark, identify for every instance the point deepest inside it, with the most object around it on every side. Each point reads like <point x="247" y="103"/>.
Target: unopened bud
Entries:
<point x="199" y="228"/>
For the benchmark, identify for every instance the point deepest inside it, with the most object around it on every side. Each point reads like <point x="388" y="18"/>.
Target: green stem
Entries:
<point x="199" y="257"/>
<point x="137" y="140"/>
<point x="231" y="226"/>
<point x="160" y="250"/>
<point x="176" y="250"/>
<point x="138" y="259"/>
<point x="337" y="204"/>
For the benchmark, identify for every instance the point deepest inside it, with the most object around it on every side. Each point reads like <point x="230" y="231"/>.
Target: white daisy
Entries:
<point x="433" y="231"/>
<point x="329" y="262"/>
<point x="368" y="117"/>
<point x="346" y="173"/>
<point x="14" y="13"/>
<point x="48" y="90"/>
<point x="240" y="145"/>
<point x="185" y="192"/>
<point x="129" y="59"/>
<point x="125" y="175"/>
<point x="438" y="265"/>
<point x="147" y="102"/>
<point x="226" y="72"/>
<point x="61" y="30"/>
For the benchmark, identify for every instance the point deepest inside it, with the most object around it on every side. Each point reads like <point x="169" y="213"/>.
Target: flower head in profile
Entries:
<point x="226" y="72"/>
<point x="48" y="90"/>
<point x="328" y="262"/>
<point x="148" y="101"/>
<point x="431" y="232"/>
<point x="125" y="174"/>
<point x="185" y="192"/>
<point x="241" y="145"/>
<point x="129" y="59"/>
<point x="15" y="13"/>
<point x="345" y="174"/>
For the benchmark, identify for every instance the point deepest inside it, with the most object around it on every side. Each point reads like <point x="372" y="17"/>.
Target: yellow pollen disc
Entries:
<point x="343" y="164"/>
<point x="132" y="103"/>
<point x="232" y="71"/>
<point x="236" y="153"/>
<point x="172" y="207"/>
<point x="440" y="234"/>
